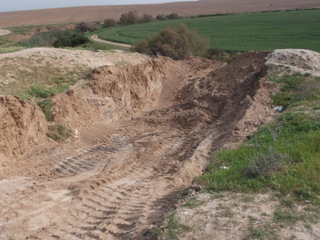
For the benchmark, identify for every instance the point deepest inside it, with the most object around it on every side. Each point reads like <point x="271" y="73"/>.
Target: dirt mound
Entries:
<point x="112" y="93"/>
<point x="23" y="128"/>
<point x="288" y="61"/>
<point x="43" y="62"/>
<point x="145" y="132"/>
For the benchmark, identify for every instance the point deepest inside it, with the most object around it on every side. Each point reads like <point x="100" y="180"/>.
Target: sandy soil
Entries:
<point x="17" y="65"/>
<point x="230" y="215"/>
<point x="99" y="13"/>
<point x="141" y="133"/>
<point x="95" y="38"/>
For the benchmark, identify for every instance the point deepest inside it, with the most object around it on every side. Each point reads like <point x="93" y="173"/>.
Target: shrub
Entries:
<point x="146" y="18"/>
<point x="130" y="17"/>
<point x="46" y="106"/>
<point x="161" y="17"/>
<point x="70" y="40"/>
<point x="109" y="23"/>
<point x="176" y="43"/>
<point x="87" y="27"/>
<point x="39" y="39"/>
<point x="172" y="16"/>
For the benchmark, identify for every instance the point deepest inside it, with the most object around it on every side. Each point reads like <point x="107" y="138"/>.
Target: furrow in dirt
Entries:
<point x="164" y="118"/>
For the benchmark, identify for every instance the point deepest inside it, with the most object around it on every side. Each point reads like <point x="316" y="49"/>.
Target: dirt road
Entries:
<point x="4" y="32"/>
<point x="97" y="39"/>
<point x="116" y="178"/>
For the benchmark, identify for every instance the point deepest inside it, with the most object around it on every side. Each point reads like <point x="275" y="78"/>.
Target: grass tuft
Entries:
<point x="58" y="132"/>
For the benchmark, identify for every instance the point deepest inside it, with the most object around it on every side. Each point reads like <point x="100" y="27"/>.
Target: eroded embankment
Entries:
<point x="23" y="129"/>
<point x="160" y="120"/>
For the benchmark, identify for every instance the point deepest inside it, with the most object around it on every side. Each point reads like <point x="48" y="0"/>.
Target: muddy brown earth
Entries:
<point x="140" y="134"/>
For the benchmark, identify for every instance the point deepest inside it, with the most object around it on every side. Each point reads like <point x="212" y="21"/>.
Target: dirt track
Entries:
<point x="115" y="179"/>
<point x="95" y="38"/>
<point x="99" y="13"/>
<point x="4" y="32"/>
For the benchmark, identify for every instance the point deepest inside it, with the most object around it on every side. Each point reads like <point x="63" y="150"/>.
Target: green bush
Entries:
<point x="146" y="18"/>
<point x="46" y="106"/>
<point x="70" y="40"/>
<point x="40" y="91"/>
<point x="177" y="43"/>
<point x="130" y="17"/>
<point x="110" y="22"/>
<point x="172" y="16"/>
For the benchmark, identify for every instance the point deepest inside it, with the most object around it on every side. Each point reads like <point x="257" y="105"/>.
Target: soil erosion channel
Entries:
<point x="152" y="127"/>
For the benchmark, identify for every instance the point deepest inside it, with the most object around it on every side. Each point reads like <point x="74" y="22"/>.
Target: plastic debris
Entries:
<point x="278" y="109"/>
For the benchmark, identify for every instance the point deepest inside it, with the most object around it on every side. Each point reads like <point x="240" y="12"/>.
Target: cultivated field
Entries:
<point x="99" y="13"/>
<point x="239" y="32"/>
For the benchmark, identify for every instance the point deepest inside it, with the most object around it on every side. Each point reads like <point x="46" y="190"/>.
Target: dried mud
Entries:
<point x="141" y="133"/>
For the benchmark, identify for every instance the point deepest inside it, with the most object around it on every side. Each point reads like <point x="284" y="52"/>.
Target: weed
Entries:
<point x="261" y="233"/>
<point x="46" y="106"/>
<point x="287" y="202"/>
<point x="295" y="136"/>
<point x="192" y="202"/>
<point x="264" y="164"/>
<point x="284" y="217"/>
<point x="172" y="229"/>
<point x="58" y="132"/>
<point x="40" y="91"/>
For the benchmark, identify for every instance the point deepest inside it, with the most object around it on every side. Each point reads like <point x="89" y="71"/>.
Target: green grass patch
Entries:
<point x="34" y="77"/>
<point x="46" y="106"/>
<point x="10" y="49"/>
<point x="191" y="202"/>
<point x="237" y="32"/>
<point x="298" y="89"/>
<point x="263" y="232"/>
<point x="283" y="156"/>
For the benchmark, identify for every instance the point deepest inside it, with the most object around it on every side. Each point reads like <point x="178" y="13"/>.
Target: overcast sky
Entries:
<point x="18" y="5"/>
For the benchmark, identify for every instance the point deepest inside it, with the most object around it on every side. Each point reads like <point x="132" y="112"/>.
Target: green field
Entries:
<point x="238" y="32"/>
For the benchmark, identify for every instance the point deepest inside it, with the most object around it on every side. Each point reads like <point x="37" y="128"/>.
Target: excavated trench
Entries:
<point x="145" y="132"/>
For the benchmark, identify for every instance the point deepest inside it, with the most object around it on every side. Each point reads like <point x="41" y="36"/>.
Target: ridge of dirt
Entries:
<point x="27" y="60"/>
<point x="23" y="130"/>
<point x="288" y="61"/>
<point x="144" y="133"/>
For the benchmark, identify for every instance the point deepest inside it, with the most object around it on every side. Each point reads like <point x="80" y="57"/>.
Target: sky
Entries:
<point x="20" y="5"/>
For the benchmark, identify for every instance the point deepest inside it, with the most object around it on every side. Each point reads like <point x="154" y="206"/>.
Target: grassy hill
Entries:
<point x="238" y="32"/>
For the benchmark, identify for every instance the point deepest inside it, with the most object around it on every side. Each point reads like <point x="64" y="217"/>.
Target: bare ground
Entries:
<point x="99" y="13"/>
<point x="141" y="133"/>
<point x="95" y="38"/>
<point x="4" y="32"/>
